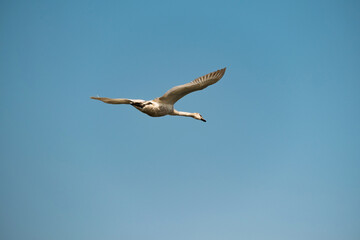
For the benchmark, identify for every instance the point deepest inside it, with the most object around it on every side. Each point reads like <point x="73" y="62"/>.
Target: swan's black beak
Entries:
<point x="203" y="120"/>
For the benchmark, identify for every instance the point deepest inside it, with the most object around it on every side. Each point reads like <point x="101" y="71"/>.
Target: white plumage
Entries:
<point x="165" y="105"/>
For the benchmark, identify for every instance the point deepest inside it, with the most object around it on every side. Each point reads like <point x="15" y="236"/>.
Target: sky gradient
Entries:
<point x="279" y="155"/>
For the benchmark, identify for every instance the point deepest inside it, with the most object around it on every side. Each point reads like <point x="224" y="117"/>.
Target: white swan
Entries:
<point x="165" y="105"/>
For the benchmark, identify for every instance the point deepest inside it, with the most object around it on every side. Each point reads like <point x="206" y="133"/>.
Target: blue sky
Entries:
<point x="279" y="157"/>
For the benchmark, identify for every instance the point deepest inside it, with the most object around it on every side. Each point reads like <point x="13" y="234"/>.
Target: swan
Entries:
<point x="164" y="105"/>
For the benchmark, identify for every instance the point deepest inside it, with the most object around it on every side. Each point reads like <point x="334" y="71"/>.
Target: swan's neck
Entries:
<point x="185" y="114"/>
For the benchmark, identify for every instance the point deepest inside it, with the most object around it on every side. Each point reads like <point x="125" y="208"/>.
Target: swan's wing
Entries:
<point x="175" y="93"/>
<point x="113" y="100"/>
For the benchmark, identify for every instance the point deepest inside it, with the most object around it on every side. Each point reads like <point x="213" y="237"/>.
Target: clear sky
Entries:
<point x="279" y="155"/>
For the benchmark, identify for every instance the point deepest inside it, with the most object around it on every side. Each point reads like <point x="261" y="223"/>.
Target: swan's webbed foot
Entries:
<point x="137" y="104"/>
<point x="140" y="104"/>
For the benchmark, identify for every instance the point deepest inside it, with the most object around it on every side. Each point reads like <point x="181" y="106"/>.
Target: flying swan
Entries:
<point x="165" y="105"/>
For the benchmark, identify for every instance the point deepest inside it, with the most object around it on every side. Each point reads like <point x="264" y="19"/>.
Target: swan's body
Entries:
<point x="165" y="105"/>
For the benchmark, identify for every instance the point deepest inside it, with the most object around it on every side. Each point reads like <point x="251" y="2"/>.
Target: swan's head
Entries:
<point x="199" y="117"/>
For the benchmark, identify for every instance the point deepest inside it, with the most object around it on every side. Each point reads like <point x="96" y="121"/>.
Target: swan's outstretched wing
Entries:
<point x="113" y="100"/>
<point x="175" y="93"/>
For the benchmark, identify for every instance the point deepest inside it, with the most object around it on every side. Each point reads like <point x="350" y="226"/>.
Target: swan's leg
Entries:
<point x="113" y="100"/>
